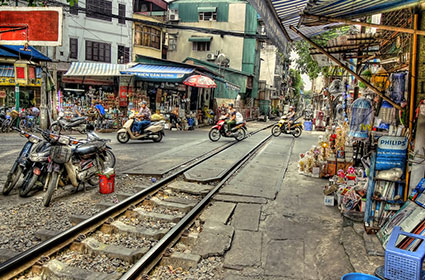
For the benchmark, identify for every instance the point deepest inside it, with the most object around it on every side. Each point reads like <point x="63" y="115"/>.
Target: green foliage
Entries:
<point x="305" y="62"/>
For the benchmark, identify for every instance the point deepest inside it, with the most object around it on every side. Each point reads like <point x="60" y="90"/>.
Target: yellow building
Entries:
<point x="148" y="40"/>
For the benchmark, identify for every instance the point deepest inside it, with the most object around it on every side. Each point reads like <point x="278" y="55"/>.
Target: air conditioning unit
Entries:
<point x="211" y="56"/>
<point x="173" y="15"/>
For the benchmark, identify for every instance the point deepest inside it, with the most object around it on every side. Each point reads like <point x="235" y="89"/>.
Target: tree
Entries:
<point x="305" y="62"/>
<point x="297" y="84"/>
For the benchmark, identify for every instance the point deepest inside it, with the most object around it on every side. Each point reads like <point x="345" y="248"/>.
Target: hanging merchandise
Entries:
<point x="381" y="79"/>
<point x="386" y="115"/>
<point x="361" y="118"/>
<point x="366" y="74"/>
<point x="398" y="87"/>
<point x="336" y="86"/>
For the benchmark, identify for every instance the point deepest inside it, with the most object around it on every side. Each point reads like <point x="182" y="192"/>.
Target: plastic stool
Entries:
<point x="401" y="264"/>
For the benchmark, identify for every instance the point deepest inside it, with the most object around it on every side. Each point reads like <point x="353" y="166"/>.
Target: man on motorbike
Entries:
<point x="145" y="117"/>
<point x="174" y="117"/>
<point x="291" y="116"/>
<point x="231" y="114"/>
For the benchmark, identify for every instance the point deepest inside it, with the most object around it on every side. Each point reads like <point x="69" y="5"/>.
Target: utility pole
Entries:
<point x="43" y="99"/>
<point x="55" y="92"/>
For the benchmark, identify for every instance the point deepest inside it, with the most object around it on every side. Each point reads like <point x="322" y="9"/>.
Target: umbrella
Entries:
<point x="200" y="81"/>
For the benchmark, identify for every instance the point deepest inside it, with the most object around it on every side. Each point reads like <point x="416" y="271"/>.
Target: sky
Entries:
<point x="305" y="78"/>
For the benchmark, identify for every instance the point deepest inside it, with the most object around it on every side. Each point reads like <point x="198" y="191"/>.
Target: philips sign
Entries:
<point x="392" y="143"/>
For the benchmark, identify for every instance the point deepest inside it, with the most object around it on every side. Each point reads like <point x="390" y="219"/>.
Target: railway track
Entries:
<point x="129" y="237"/>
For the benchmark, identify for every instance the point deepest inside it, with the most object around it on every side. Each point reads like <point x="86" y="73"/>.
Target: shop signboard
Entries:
<point x="7" y="81"/>
<point x="391" y="152"/>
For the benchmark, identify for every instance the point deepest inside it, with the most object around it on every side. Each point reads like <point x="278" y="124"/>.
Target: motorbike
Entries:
<point x="39" y="158"/>
<point x="21" y="164"/>
<point x="219" y="130"/>
<point x="154" y="132"/>
<point x="78" y="165"/>
<point x="282" y="127"/>
<point x="78" y="124"/>
<point x="27" y="122"/>
<point x="10" y="121"/>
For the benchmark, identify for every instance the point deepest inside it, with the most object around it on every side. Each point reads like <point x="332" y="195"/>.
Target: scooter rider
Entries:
<point x="291" y="116"/>
<point x="145" y="117"/>
<point x="231" y="114"/>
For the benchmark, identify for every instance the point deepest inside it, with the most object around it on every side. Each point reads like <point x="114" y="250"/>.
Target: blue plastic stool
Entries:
<point x="401" y="264"/>
<point x="358" y="276"/>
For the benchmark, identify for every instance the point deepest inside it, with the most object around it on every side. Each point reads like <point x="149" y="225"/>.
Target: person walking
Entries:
<point x="100" y="114"/>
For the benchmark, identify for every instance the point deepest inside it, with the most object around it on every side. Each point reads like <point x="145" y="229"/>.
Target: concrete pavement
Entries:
<point x="291" y="235"/>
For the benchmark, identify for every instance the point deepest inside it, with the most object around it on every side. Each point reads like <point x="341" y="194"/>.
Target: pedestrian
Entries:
<point x="76" y="110"/>
<point x="100" y="113"/>
<point x="145" y="119"/>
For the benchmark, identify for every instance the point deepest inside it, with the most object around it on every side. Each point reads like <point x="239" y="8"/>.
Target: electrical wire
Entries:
<point x="166" y="25"/>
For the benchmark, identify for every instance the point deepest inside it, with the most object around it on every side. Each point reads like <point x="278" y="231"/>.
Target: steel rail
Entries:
<point x="161" y="245"/>
<point x="26" y="259"/>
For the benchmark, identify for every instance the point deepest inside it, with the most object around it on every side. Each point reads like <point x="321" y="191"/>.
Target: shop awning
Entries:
<point x="30" y="53"/>
<point x="95" y="69"/>
<point x="200" y="39"/>
<point x="207" y="9"/>
<point x="5" y="53"/>
<point x="278" y="15"/>
<point x="158" y="72"/>
<point x="7" y="71"/>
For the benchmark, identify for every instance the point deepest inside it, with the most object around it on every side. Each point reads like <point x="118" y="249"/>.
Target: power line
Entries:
<point x="167" y="25"/>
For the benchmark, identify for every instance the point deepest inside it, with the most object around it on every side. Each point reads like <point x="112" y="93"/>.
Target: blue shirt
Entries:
<point x="100" y="108"/>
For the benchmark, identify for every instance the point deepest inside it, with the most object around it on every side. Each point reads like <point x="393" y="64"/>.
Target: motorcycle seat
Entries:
<point x="88" y="148"/>
<point x="77" y="119"/>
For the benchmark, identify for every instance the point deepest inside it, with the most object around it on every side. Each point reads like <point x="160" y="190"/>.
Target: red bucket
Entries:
<point x="106" y="185"/>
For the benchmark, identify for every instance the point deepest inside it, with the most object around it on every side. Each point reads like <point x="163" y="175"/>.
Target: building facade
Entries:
<point x="237" y="53"/>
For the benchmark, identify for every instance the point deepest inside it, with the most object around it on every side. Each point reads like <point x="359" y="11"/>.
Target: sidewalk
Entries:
<point x="301" y="238"/>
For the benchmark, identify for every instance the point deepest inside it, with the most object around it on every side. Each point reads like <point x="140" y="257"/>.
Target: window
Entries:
<point x="121" y="13"/>
<point x="73" y="10"/>
<point x="201" y="46"/>
<point x="123" y="54"/>
<point x="204" y="16"/>
<point x="100" y="9"/>
<point x="148" y="37"/>
<point x="96" y="51"/>
<point x="73" y="48"/>
<point x="172" y="43"/>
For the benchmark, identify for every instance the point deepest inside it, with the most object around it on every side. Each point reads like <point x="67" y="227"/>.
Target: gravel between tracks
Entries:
<point x="20" y="219"/>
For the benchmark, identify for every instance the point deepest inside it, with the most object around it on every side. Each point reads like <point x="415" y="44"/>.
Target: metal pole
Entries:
<point x="17" y="97"/>
<point x="377" y="91"/>
<point x="43" y="100"/>
<point x="412" y="100"/>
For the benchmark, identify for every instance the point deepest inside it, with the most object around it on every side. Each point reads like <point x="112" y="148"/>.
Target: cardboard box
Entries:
<point x="329" y="200"/>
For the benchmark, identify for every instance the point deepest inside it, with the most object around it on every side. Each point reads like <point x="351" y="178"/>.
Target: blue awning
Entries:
<point x="7" y="70"/>
<point x="5" y="53"/>
<point x="31" y="53"/>
<point x="158" y="72"/>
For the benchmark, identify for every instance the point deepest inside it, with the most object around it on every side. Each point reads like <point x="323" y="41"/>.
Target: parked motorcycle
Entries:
<point x="238" y="132"/>
<point x="27" y="122"/>
<point x="282" y="127"/>
<point x="78" y="124"/>
<point x="154" y="132"/>
<point x="21" y="164"/>
<point x="39" y="157"/>
<point x="76" y="166"/>
<point x="10" y="122"/>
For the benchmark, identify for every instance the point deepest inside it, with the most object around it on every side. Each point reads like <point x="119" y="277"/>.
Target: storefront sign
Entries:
<point x="6" y="81"/>
<point x="160" y="75"/>
<point x="391" y="153"/>
<point x="124" y="92"/>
